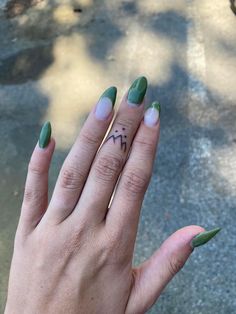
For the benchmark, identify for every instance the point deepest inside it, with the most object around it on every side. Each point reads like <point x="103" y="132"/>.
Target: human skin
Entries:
<point x="74" y="254"/>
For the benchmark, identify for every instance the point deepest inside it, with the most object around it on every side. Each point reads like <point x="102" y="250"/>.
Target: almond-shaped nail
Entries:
<point x="152" y="114"/>
<point x="137" y="91"/>
<point x="204" y="237"/>
<point x="106" y="103"/>
<point x="45" y="135"/>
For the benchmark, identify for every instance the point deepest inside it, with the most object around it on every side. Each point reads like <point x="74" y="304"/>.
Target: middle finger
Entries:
<point x="111" y="158"/>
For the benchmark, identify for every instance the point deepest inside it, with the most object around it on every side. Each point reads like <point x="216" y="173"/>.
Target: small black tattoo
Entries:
<point x="120" y="137"/>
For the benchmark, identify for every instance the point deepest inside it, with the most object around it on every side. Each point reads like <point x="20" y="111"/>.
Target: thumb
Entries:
<point x="151" y="277"/>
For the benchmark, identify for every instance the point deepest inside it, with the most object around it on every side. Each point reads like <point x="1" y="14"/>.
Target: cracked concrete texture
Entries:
<point x="55" y="63"/>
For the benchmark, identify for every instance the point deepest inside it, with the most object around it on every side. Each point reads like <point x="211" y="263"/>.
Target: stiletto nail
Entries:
<point x="45" y="135"/>
<point x="106" y="103"/>
<point x="137" y="91"/>
<point x="204" y="237"/>
<point x="152" y="114"/>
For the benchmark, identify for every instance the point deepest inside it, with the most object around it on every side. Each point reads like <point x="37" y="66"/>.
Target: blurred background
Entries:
<point x="56" y="59"/>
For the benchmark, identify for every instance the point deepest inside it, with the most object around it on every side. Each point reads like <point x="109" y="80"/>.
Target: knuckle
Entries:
<point x="35" y="196"/>
<point x="36" y="169"/>
<point x="28" y="195"/>
<point x="145" y="145"/>
<point x="89" y="138"/>
<point x="107" y="168"/>
<point x="75" y="241"/>
<point x="71" y="178"/>
<point x="125" y="122"/>
<point x="136" y="182"/>
<point x="111" y="240"/>
<point x="114" y="250"/>
<point x="175" y="264"/>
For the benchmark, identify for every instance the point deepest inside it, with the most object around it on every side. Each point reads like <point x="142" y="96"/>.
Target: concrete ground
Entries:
<point x="55" y="63"/>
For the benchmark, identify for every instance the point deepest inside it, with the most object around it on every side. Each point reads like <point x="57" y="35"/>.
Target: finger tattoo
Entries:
<point x="120" y="138"/>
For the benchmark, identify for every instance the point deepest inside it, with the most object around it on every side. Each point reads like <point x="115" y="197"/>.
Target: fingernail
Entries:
<point x="137" y="91"/>
<point x="152" y="114"/>
<point x="106" y="103"/>
<point x="45" y="135"/>
<point x="204" y="237"/>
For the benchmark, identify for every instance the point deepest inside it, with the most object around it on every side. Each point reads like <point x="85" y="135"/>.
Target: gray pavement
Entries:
<point x="55" y="63"/>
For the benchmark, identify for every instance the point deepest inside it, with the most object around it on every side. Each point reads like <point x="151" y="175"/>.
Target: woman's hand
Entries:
<point x="74" y="254"/>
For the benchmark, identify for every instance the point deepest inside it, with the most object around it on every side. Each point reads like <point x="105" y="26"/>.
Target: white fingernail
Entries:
<point x="152" y="114"/>
<point x="104" y="108"/>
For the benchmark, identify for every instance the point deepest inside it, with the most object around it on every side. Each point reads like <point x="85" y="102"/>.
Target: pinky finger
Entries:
<point x="35" y="198"/>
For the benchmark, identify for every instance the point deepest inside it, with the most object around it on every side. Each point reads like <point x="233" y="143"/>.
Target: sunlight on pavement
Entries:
<point x="83" y="78"/>
<point x="226" y="165"/>
<point x="220" y="50"/>
<point x="142" y="51"/>
<point x="64" y="15"/>
<point x="152" y="6"/>
<point x="72" y="93"/>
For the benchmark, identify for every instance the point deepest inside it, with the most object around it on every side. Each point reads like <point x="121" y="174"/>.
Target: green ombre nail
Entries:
<point x="156" y="105"/>
<point x="204" y="237"/>
<point x="45" y="135"/>
<point x="111" y="94"/>
<point x="137" y="91"/>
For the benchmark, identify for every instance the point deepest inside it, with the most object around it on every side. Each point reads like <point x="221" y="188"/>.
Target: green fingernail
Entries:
<point x="137" y="91"/>
<point x="45" y="135"/>
<point x="204" y="237"/>
<point x="111" y="94"/>
<point x="156" y="105"/>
